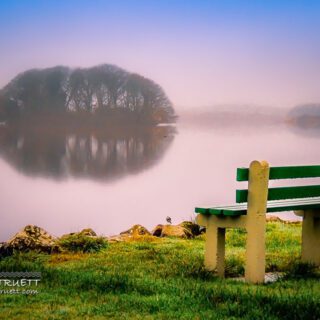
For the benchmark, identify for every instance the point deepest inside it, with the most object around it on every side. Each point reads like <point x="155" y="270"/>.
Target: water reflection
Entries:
<point x="307" y="129"/>
<point x="94" y="154"/>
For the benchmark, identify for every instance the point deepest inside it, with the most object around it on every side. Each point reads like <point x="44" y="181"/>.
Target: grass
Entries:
<point x="165" y="279"/>
<point x="81" y="243"/>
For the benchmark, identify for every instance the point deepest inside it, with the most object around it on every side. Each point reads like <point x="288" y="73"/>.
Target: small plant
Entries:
<point x="82" y="243"/>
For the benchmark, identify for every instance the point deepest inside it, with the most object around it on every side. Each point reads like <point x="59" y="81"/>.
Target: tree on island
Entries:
<point x="104" y="91"/>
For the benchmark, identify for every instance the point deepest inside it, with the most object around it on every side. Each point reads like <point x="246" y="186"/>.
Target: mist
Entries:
<point x="202" y="53"/>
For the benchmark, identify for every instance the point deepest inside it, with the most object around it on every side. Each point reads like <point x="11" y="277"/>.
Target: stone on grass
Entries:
<point x="168" y="230"/>
<point x="157" y="231"/>
<point x="136" y="230"/>
<point x="85" y="232"/>
<point x="270" y="218"/>
<point x="88" y="232"/>
<point x="30" y="238"/>
<point x="192" y="227"/>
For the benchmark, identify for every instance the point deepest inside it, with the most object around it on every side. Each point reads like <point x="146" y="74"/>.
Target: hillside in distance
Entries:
<point x="306" y="115"/>
<point x="101" y="93"/>
<point x="216" y="116"/>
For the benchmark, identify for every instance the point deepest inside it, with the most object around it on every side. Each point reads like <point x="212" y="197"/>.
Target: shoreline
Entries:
<point x="35" y="238"/>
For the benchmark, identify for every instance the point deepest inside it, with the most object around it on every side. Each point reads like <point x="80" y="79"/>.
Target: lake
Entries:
<point x="67" y="181"/>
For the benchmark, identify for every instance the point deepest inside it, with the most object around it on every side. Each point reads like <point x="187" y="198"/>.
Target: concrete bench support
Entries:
<point x="254" y="222"/>
<point x="215" y="249"/>
<point x="311" y="237"/>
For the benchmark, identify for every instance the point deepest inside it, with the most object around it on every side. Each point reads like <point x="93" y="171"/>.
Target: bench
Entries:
<point x="250" y="210"/>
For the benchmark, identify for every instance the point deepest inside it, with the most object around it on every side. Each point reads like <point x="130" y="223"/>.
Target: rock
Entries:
<point x="192" y="227"/>
<point x="85" y="232"/>
<point x="136" y="230"/>
<point x="176" y="231"/>
<point x="117" y="238"/>
<point x="31" y="238"/>
<point x="88" y="232"/>
<point x="277" y="219"/>
<point x="157" y="230"/>
<point x="273" y="219"/>
<point x="168" y="230"/>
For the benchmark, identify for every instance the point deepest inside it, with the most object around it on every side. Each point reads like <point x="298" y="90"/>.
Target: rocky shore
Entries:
<point x="34" y="238"/>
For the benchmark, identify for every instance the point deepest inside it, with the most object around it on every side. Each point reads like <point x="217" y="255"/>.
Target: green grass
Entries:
<point x="81" y="243"/>
<point x="165" y="279"/>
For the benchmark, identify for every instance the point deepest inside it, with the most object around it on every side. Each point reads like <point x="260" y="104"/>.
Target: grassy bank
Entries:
<point x="165" y="279"/>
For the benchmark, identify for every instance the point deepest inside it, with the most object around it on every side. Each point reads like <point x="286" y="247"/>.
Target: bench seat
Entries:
<point x="272" y="206"/>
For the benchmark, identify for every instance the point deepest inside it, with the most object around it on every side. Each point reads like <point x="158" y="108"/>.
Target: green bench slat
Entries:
<point x="291" y="172"/>
<point x="239" y="206"/>
<point x="272" y="206"/>
<point x="280" y="198"/>
<point x="242" y="174"/>
<point x="283" y="193"/>
<point x="201" y="210"/>
<point x="294" y="207"/>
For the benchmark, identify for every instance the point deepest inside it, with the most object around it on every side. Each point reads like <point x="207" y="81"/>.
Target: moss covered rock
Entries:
<point x="136" y="230"/>
<point x="31" y="238"/>
<point x="192" y="227"/>
<point x="168" y="230"/>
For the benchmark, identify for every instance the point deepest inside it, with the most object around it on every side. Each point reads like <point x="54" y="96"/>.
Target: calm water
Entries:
<point x="66" y="181"/>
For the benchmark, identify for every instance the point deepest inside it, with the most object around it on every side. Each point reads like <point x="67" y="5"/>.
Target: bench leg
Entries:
<point x="311" y="237"/>
<point x="215" y="249"/>
<point x="256" y="221"/>
<point x="255" y="253"/>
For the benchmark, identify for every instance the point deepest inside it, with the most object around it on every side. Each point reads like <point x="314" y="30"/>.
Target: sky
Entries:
<point x="202" y="53"/>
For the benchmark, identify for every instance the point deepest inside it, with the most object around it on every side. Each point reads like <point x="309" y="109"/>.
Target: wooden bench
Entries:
<point x="250" y="210"/>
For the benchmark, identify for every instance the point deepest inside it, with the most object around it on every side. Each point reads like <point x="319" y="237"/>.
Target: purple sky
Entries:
<point x="200" y="52"/>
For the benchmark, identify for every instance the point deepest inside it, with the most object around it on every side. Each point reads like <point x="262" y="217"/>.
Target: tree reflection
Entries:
<point x="95" y="154"/>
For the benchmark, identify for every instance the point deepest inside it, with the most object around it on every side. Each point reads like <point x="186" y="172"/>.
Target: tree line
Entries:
<point x="104" y="90"/>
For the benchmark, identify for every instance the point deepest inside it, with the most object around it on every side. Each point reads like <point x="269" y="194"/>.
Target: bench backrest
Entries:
<point x="280" y="193"/>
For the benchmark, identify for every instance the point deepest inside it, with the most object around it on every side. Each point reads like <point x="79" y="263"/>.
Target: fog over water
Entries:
<point x="56" y="182"/>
